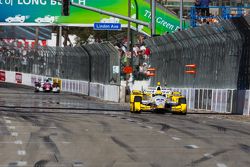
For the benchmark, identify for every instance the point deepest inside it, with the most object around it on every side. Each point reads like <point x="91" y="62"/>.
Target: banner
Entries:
<point x="2" y="76"/>
<point x="48" y="12"/>
<point x="18" y="77"/>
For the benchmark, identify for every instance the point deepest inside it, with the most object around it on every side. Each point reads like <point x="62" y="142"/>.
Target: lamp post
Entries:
<point x="181" y="14"/>
<point x="153" y="9"/>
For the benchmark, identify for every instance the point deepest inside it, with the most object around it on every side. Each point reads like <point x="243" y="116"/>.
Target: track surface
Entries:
<point x="63" y="130"/>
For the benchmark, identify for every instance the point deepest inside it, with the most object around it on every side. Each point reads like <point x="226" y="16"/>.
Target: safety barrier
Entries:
<point x="96" y="90"/>
<point x="105" y="92"/>
<point x="75" y="86"/>
<point x="112" y="90"/>
<point x="213" y="100"/>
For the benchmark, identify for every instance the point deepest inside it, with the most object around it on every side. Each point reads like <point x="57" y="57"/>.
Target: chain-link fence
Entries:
<point x="95" y="63"/>
<point x="220" y="52"/>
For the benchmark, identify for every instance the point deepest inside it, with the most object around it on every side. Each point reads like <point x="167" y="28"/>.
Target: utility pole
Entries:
<point x="153" y="9"/>
<point x="59" y="36"/>
<point x="181" y="14"/>
<point x="36" y="38"/>
<point x="129" y="43"/>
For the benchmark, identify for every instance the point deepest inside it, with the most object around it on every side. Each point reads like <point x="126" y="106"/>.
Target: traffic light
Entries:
<point x="65" y="7"/>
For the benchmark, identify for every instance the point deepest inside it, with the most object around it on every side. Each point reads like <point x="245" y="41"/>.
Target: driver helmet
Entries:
<point x="158" y="92"/>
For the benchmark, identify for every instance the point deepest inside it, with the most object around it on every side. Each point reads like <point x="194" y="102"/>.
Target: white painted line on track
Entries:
<point x="6" y="117"/>
<point x="162" y="132"/>
<point x="53" y="127"/>
<point x="130" y="120"/>
<point x="176" y="138"/>
<point x="11" y="127"/>
<point x="21" y="163"/>
<point x="221" y="165"/>
<point x="150" y="127"/>
<point x="139" y="123"/>
<point x="21" y="152"/>
<point x="14" y="134"/>
<point x="8" y="121"/>
<point x="77" y="164"/>
<point x="18" y="142"/>
<point x="208" y="155"/>
<point x="192" y="146"/>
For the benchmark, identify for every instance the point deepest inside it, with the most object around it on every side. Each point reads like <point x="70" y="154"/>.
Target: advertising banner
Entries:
<point x="48" y="12"/>
<point x="18" y="77"/>
<point x="2" y="76"/>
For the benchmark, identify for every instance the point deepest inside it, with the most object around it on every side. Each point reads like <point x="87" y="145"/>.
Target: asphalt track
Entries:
<point x="65" y="130"/>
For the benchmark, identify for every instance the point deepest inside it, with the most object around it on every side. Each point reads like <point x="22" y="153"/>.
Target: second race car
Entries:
<point x="48" y="85"/>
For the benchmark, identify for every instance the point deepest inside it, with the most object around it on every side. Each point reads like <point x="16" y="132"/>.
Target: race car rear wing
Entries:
<point x="152" y="90"/>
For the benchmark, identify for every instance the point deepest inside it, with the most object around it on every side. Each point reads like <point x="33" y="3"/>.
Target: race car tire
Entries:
<point x="184" y="113"/>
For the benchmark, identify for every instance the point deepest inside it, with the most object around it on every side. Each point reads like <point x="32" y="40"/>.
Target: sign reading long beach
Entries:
<point x="37" y="2"/>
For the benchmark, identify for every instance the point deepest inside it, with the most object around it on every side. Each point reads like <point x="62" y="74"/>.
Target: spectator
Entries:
<point x="204" y="7"/>
<point x="197" y="6"/>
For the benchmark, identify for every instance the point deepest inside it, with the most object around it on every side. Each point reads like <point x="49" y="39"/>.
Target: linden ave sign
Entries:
<point x="107" y="26"/>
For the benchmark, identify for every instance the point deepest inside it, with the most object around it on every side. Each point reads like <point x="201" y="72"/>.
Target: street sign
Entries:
<point x="116" y="69"/>
<point x="107" y="26"/>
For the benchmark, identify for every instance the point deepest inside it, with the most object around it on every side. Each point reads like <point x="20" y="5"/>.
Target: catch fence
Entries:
<point x="95" y="63"/>
<point x="220" y="51"/>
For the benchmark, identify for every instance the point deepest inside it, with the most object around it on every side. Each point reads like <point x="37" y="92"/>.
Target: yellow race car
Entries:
<point x="158" y="100"/>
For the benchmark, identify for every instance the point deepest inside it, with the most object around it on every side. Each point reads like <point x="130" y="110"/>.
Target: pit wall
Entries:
<point x="101" y="91"/>
<point x="210" y="100"/>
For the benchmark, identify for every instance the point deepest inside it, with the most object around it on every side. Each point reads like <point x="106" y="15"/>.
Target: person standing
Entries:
<point x="197" y="7"/>
<point x="205" y="7"/>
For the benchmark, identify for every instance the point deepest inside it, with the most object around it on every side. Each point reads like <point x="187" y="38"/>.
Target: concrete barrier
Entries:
<point x="112" y="93"/>
<point x="214" y="100"/>
<point x="96" y="90"/>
